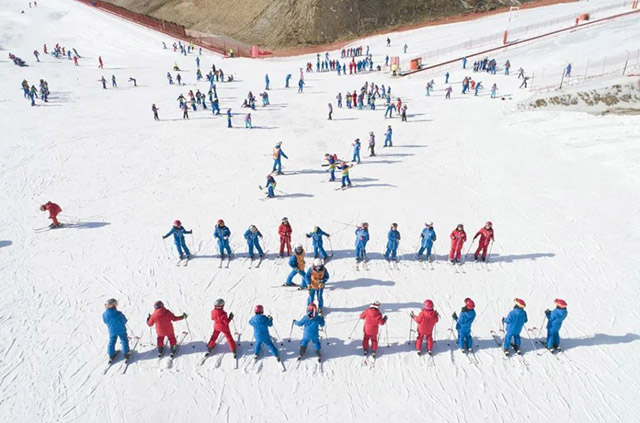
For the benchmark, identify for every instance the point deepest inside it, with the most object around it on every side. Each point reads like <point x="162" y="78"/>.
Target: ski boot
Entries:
<point x="255" y="357"/>
<point x="430" y="352"/>
<point x="278" y="358"/>
<point x="365" y="352"/>
<point x="419" y="353"/>
<point x="302" y="351"/>
<point x="160" y="350"/>
<point x="127" y="355"/>
<point x="174" y="348"/>
<point x="505" y="352"/>
<point x="373" y="354"/>
<point x="113" y="356"/>
<point x="235" y="354"/>
<point x="319" y="354"/>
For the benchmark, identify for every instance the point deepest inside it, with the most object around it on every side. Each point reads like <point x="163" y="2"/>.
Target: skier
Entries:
<point x="330" y="111"/>
<point x="221" y="326"/>
<point x="270" y="186"/>
<point x="446" y="77"/>
<point x="155" y="109"/>
<point x="387" y="137"/>
<point x="296" y="262"/>
<point x="163" y="318"/>
<point x="344" y="167"/>
<point x="426" y="321"/>
<point x="458" y="237"/>
<point x="113" y="82"/>
<point x="286" y="80"/>
<point x="278" y="154"/>
<point x="515" y="320"/>
<point x="100" y="63"/>
<point x="185" y="111"/>
<point x="35" y="53"/>
<point x="525" y="79"/>
<point x="261" y="324"/>
<point x="54" y="210"/>
<point x="494" y="88"/>
<point x="316" y="235"/>
<point x="300" y="85"/>
<point x="104" y="83"/>
<point x="486" y="237"/>
<point x="567" y="72"/>
<point x="178" y="233"/>
<point x="427" y="238"/>
<point x="312" y="322"/>
<point x="448" y="92"/>
<point x="253" y="235"/>
<point x="222" y="234"/>
<point x="356" y="151"/>
<point x="266" y="81"/>
<point x="463" y="325"/>
<point x="393" y="239"/>
<point x="315" y="280"/>
<point x="554" y="323"/>
<point x="229" y="118"/>
<point x="372" y="320"/>
<point x="372" y="144"/>
<point x="116" y="322"/>
<point x="332" y="159"/>
<point x="285" y="230"/>
<point x="362" y="237"/>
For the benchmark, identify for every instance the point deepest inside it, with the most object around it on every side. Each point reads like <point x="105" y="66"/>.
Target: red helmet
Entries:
<point x="177" y="223"/>
<point x="520" y="303"/>
<point x="259" y="309"/>
<point x="468" y="303"/>
<point x="312" y="310"/>
<point x="428" y="304"/>
<point x="560" y="303"/>
<point x="220" y="221"/>
<point x="488" y="223"/>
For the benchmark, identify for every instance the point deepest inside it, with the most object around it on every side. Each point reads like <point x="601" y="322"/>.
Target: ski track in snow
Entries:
<point x="560" y="187"/>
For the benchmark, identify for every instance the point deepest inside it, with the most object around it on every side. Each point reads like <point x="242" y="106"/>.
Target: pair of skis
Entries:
<point x="499" y="340"/>
<point x="364" y="263"/>
<point x="127" y="361"/>
<point x="222" y="261"/>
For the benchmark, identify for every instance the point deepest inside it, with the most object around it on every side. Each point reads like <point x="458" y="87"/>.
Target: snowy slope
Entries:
<point x="560" y="187"/>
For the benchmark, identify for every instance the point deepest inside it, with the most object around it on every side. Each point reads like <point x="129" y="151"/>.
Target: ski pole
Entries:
<point x="278" y="335"/>
<point x="530" y="339"/>
<point x="490" y="248"/>
<point x="164" y="241"/>
<point x="386" y="328"/>
<point x="544" y="319"/>
<point x="187" y="322"/>
<point x="326" y="333"/>
<point x="354" y="328"/>
<point x="410" y="330"/>
<point x="346" y="224"/>
<point x="469" y="249"/>
<point x="290" y="331"/>
<point x="330" y="246"/>
<point x="129" y="329"/>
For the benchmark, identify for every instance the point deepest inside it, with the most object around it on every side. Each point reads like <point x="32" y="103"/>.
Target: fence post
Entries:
<point x="603" y="64"/>
<point x="624" y="71"/>
<point x="562" y="79"/>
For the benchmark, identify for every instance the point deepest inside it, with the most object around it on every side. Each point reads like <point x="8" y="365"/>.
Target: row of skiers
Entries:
<point x="31" y="92"/>
<point x="426" y="320"/>
<point x="427" y="238"/>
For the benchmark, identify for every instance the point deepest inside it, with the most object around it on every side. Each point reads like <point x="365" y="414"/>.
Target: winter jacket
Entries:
<point x="486" y="236"/>
<point x="222" y="234"/>
<point x="277" y="153"/>
<point x="426" y="320"/>
<point x="163" y="319"/>
<point x="311" y="326"/>
<point x="317" y="278"/>
<point x="178" y="234"/>
<point x="252" y="238"/>
<point x="296" y="261"/>
<point x="285" y="231"/>
<point x="220" y="320"/>
<point x="261" y="324"/>
<point x="458" y="238"/>
<point x="53" y="209"/>
<point x="115" y="321"/>
<point x="393" y="238"/>
<point x="372" y="319"/>
<point x="362" y="237"/>
<point x="465" y="320"/>
<point x="428" y="236"/>
<point x="317" y="237"/>
<point x="515" y="320"/>
<point x="555" y="319"/>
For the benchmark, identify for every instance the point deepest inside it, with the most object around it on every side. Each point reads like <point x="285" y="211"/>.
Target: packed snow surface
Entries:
<point x="560" y="187"/>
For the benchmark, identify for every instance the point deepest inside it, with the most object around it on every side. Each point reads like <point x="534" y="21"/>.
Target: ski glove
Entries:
<point x="384" y="319"/>
<point x="547" y="312"/>
<point x="503" y="320"/>
<point x="230" y="316"/>
<point x="269" y="317"/>
<point x="294" y="322"/>
<point x="148" y="316"/>
<point x="455" y="316"/>
<point x="185" y="315"/>
<point x="411" y="314"/>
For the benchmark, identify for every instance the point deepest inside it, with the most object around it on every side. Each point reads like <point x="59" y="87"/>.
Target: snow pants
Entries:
<point x="427" y="247"/>
<point x="553" y="339"/>
<point x="277" y="165"/>
<point x="124" y="341"/>
<point x="314" y="338"/>
<point x="224" y="246"/>
<point x="312" y="295"/>
<point x="181" y="246"/>
<point x="507" y="340"/>
<point x="333" y="175"/>
<point x="392" y="248"/>
<point x="361" y="252"/>
<point x="356" y="156"/>
<point x="172" y="340"/>
<point x="387" y="141"/>
<point x="455" y="253"/>
<point x="482" y="248"/>
<point x="227" y="335"/>
<point x="268" y="343"/>
<point x="255" y="245"/>
<point x="293" y="273"/>
<point x="54" y="219"/>
<point x="374" y="342"/>
<point x="319" y="250"/>
<point x="465" y="341"/>
<point x="285" y="242"/>
<point x="270" y="192"/>
<point x="346" y="180"/>
<point x="429" y="341"/>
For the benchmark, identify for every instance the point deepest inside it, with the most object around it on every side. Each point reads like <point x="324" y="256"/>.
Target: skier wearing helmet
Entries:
<point x="163" y="318"/>
<point x="317" y="277"/>
<point x="362" y="237"/>
<point x="463" y="324"/>
<point x="285" y="230"/>
<point x="221" y="326"/>
<point x="458" y="238"/>
<point x="393" y="240"/>
<point x="278" y="154"/>
<point x="312" y="322"/>
<point x="270" y="186"/>
<point x="178" y="232"/>
<point x="554" y="323"/>
<point x="427" y="238"/>
<point x="316" y="235"/>
<point x="372" y="320"/>
<point x="515" y="321"/>
<point x="426" y="321"/>
<point x="222" y="234"/>
<point x="116" y="322"/>
<point x="261" y="324"/>
<point x="486" y="236"/>
<point x="54" y="210"/>
<point x="253" y="235"/>
<point x="296" y="262"/>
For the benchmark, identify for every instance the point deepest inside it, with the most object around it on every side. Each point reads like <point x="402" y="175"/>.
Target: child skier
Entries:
<point x="372" y="144"/>
<point x="515" y="320"/>
<point x="486" y="237"/>
<point x="285" y="230"/>
<point x="426" y="321"/>
<point x="296" y="262"/>
<point x="387" y="137"/>
<point x="278" y="154"/>
<point x="458" y="238"/>
<point x="316" y="235"/>
<point x="271" y="186"/>
<point x="178" y="232"/>
<point x="372" y="320"/>
<point x="312" y="322"/>
<point x="344" y="167"/>
<point x="356" y="150"/>
<point x="253" y="235"/>
<point x="393" y="240"/>
<point x="317" y="277"/>
<point x="222" y="234"/>
<point x="362" y="237"/>
<point x="54" y="210"/>
<point x="332" y="160"/>
<point x="221" y="326"/>
<point x="261" y="324"/>
<point x="554" y="323"/>
<point x="117" y="324"/>
<point x="463" y="325"/>
<point x="155" y="109"/>
<point x="163" y="319"/>
<point x="427" y="238"/>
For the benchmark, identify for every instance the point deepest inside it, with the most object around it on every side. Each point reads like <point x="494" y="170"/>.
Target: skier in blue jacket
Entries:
<point x="554" y="323"/>
<point x="387" y="137"/>
<point x="261" y="324"/>
<point x="296" y="262"/>
<point x="362" y="237"/>
<point x="278" y="154"/>
<point x="393" y="240"/>
<point x="286" y="80"/>
<point x="117" y="324"/>
<point x="222" y="234"/>
<point x="316" y="235"/>
<point x="316" y="278"/>
<point x="356" y="150"/>
<point x="253" y="235"/>
<point x="312" y="322"/>
<point x="178" y="233"/>
<point x="515" y="320"/>
<point x="463" y="325"/>
<point x="266" y="81"/>
<point x="427" y="237"/>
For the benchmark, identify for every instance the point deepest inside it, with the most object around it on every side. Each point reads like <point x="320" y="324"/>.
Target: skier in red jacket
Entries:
<point x="285" y="231"/>
<point x="426" y="321"/>
<point x="372" y="319"/>
<point x="458" y="238"/>
<point x="54" y="210"/>
<point x="221" y="325"/>
<point x="163" y="319"/>
<point x="486" y="236"/>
